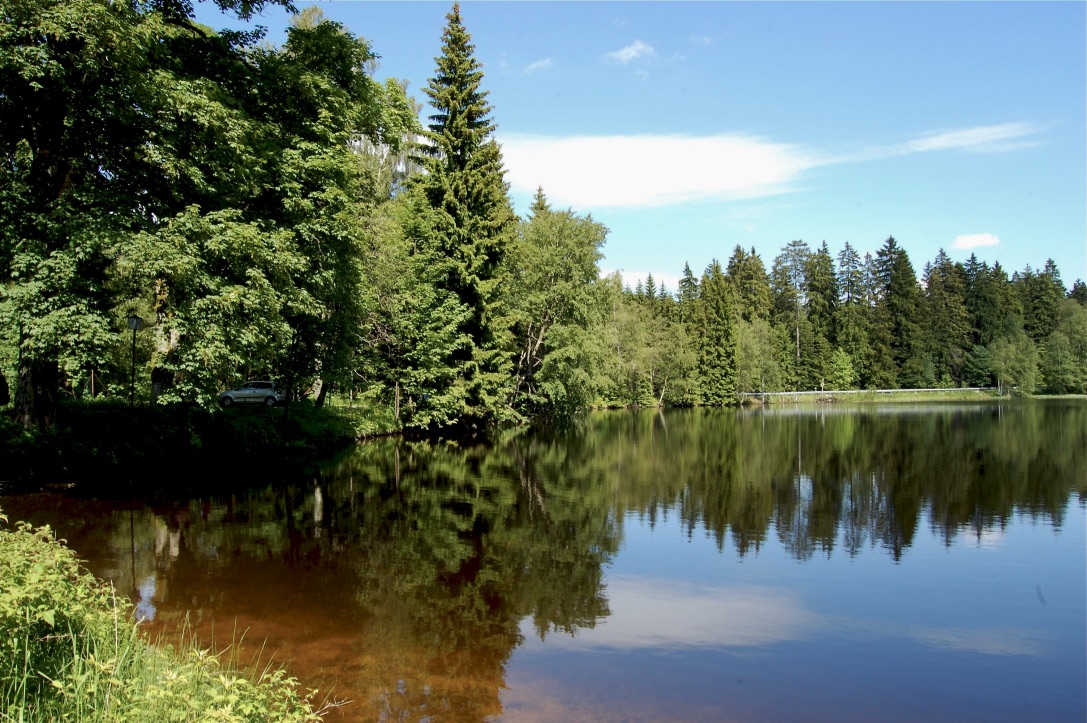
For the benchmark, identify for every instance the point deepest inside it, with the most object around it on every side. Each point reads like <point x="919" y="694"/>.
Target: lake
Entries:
<point x="897" y="562"/>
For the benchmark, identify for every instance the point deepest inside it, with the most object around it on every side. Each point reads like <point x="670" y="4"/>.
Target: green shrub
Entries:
<point x="69" y="651"/>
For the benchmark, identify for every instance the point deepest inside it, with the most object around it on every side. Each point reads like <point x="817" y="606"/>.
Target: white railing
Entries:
<point x="836" y="392"/>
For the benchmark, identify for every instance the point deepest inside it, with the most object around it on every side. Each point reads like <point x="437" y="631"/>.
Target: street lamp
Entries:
<point x="135" y="323"/>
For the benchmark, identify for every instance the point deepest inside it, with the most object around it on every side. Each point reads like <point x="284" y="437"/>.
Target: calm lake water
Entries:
<point x="835" y="563"/>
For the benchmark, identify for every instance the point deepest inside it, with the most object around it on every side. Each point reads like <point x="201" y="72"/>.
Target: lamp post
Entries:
<point x="135" y="323"/>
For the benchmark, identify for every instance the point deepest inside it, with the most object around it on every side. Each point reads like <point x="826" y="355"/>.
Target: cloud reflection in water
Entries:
<point x="659" y="613"/>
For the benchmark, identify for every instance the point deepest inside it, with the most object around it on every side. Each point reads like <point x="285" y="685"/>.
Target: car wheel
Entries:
<point x="270" y="402"/>
<point x="226" y="401"/>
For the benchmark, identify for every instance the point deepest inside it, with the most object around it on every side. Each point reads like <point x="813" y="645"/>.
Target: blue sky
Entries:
<point x="690" y="127"/>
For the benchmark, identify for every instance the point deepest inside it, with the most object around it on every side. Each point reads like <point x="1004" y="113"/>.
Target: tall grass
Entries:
<point x="69" y="651"/>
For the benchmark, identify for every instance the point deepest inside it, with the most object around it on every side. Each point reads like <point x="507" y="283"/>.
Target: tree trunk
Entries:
<point x="320" y="401"/>
<point x="36" y="393"/>
<point x="5" y="394"/>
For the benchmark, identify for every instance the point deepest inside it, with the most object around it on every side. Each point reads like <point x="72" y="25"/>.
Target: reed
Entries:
<point x="70" y="651"/>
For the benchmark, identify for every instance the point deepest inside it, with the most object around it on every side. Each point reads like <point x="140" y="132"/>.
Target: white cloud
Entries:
<point x="701" y="40"/>
<point x="542" y="64"/>
<point x="637" y="171"/>
<point x="632" y="52"/>
<point x="974" y="240"/>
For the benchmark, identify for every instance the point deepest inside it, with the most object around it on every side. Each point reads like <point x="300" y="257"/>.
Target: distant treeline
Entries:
<point x="822" y="322"/>
<point x="274" y="212"/>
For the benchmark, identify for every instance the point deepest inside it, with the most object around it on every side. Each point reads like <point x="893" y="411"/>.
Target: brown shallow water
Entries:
<point x="890" y="564"/>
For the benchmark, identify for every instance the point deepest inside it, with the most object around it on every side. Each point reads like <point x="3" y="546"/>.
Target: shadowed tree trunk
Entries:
<point x="36" y="393"/>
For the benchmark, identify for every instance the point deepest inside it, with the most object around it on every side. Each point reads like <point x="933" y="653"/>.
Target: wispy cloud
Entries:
<point x="975" y="240"/>
<point x="634" y="171"/>
<point x="1006" y="136"/>
<point x="701" y="40"/>
<point x="542" y="64"/>
<point x="980" y="139"/>
<point x="632" y="52"/>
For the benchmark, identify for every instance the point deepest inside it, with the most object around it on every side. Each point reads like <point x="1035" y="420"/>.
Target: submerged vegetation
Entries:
<point x="184" y="209"/>
<point x="70" y="651"/>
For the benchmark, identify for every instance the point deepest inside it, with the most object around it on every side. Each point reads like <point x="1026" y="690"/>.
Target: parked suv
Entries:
<point x="251" y="393"/>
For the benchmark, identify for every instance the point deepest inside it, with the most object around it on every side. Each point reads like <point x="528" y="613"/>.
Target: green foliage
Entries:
<point x="1040" y="294"/>
<point x="1061" y="372"/>
<point x="208" y="183"/>
<point x="1015" y="362"/>
<point x="463" y="226"/>
<point x="841" y="375"/>
<point x="69" y="651"/>
<point x="977" y="367"/>
<point x="717" y="340"/>
<point x="756" y="367"/>
<point x="555" y="306"/>
<point x="947" y="320"/>
<point x="227" y="293"/>
<point x="269" y="212"/>
<point x="750" y="283"/>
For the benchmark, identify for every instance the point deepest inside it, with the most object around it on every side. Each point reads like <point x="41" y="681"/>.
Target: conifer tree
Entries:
<point x="717" y="341"/>
<point x="897" y="311"/>
<point x="468" y="223"/>
<point x="688" y="296"/>
<point x="750" y="283"/>
<point x="982" y="302"/>
<point x="947" y="321"/>
<point x="851" y="321"/>
<point x="1078" y="292"/>
<point x="820" y="307"/>
<point x="1040" y="293"/>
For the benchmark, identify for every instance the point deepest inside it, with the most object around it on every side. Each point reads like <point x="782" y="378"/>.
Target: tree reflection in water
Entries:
<point x="402" y="573"/>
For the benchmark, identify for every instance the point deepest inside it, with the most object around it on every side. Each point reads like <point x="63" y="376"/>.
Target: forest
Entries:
<point x="274" y="212"/>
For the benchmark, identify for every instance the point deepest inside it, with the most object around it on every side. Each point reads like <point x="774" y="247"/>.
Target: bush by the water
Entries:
<point x="70" y="651"/>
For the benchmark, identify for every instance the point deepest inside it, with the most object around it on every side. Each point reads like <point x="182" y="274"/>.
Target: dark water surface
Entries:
<point x="837" y="563"/>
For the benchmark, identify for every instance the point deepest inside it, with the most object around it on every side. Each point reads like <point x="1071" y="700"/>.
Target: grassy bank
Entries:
<point x="881" y="396"/>
<point x="150" y="448"/>
<point x="69" y="651"/>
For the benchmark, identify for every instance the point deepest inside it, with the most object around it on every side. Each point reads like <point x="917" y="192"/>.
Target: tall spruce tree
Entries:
<point x="466" y="225"/>
<point x="1040" y="293"/>
<point x="946" y="318"/>
<point x="982" y="302"/>
<point x="821" y="307"/>
<point x="897" y="312"/>
<point x="751" y="284"/>
<point x="717" y="341"/>
<point x="852" y="315"/>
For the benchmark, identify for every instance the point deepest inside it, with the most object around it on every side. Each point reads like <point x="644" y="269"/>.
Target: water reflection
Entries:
<point x="407" y="575"/>
<point x="661" y="614"/>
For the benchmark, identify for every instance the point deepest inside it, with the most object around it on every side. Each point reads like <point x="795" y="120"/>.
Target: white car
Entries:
<point x="251" y="393"/>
